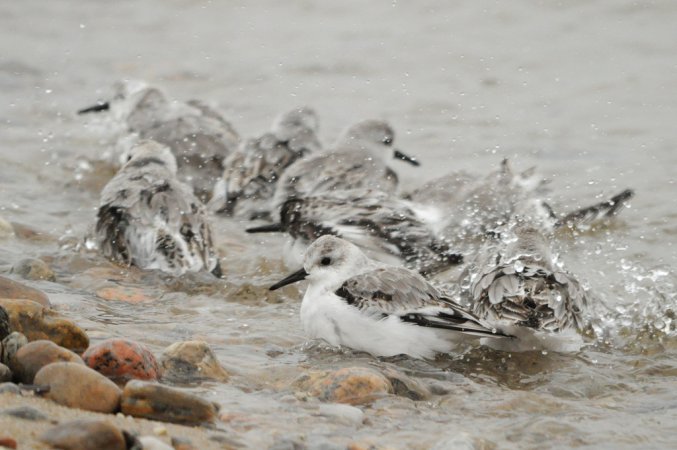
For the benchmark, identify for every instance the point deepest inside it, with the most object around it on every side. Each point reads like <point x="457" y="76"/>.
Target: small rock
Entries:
<point x="24" y="412"/>
<point x="5" y="373"/>
<point x="345" y="413"/>
<point x="38" y="322"/>
<point x="30" y="234"/>
<point x="153" y="443"/>
<point x="15" y="290"/>
<point x="127" y="294"/>
<point x="158" y="402"/>
<point x="353" y="385"/>
<point x="33" y="269"/>
<point x="7" y="442"/>
<point x="6" y="229"/>
<point x="9" y="387"/>
<point x="191" y="361"/>
<point x="405" y="386"/>
<point x="181" y="443"/>
<point x="4" y="323"/>
<point x="37" y="354"/>
<point x="10" y="345"/>
<point x="85" y="435"/>
<point x="122" y="360"/>
<point x="288" y="444"/>
<point x="78" y="386"/>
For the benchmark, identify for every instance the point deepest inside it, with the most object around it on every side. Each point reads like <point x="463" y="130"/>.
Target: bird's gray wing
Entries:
<point x="396" y="291"/>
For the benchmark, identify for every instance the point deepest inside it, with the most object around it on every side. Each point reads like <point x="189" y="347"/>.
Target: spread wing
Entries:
<point x="396" y="291"/>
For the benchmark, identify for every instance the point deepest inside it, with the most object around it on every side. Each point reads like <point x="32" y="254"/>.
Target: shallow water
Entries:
<point x="585" y="90"/>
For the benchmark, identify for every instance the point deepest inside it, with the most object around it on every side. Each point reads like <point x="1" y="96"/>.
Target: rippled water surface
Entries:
<point x="586" y="90"/>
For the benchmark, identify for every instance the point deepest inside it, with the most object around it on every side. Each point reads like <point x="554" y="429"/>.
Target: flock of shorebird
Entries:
<point x="367" y="251"/>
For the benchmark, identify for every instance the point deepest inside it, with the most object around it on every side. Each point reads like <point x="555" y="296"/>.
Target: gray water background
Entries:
<point x="585" y="90"/>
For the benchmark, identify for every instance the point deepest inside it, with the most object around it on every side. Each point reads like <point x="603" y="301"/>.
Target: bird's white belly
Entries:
<point x="327" y="317"/>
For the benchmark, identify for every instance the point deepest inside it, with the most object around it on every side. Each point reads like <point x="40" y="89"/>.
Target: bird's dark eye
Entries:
<point x="388" y="141"/>
<point x="325" y="261"/>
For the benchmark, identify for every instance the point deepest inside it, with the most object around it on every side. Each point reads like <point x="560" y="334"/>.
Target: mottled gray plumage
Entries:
<point x="251" y="173"/>
<point x="357" y="161"/>
<point x="378" y="222"/>
<point x="199" y="137"/>
<point x="470" y="208"/>
<point x="150" y="219"/>
<point x="515" y="279"/>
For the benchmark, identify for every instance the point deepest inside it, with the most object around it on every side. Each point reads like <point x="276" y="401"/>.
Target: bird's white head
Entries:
<point x="298" y="121"/>
<point x="330" y="261"/>
<point x="375" y="137"/>
<point x="149" y="152"/>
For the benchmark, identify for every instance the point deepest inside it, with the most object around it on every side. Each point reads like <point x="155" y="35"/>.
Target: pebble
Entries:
<point x="158" y="402"/>
<point x="32" y="357"/>
<point x="191" y="361"/>
<point x="77" y="386"/>
<point x="127" y="294"/>
<point x="5" y="373"/>
<point x="181" y="443"/>
<point x="25" y="413"/>
<point x="15" y="290"/>
<point x="33" y="269"/>
<point x="405" y="386"/>
<point x="9" y="387"/>
<point x="85" y="435"/>
<point x="37" y="322"/>
<point x="352" y="385"/>
<point x="153" y="443"/>
<point x="7" y="442"/>
<point x="6" y="229"/>
<point x="345" y="413"/>
<point x="4" y="323"/>
<point x="122" y="360"/>
<point x="10" y="345"/>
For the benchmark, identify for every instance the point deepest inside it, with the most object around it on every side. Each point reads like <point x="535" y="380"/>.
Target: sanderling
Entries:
<point x="199" y="137"/>
<point x="251" y="172"/>
<point x="357" y="160"/>
<point x="383" y="310"/>
<point x="516" y="285"/>
<point x="386" y="227"/>
<point x="151" y="220"/>
<point x="473" y="207"/>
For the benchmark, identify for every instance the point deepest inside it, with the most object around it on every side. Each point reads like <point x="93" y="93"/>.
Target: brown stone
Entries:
<point x="33" y="356"/>
<point x="191" y="361"/>
<point x="122" y="360"/>
<point x="38" y="322"/>
<point x="7" y="442"/>
<point x="78" y="386"/>
<point x="405" y="386"/>
<point x="33" y="269"/>
<point x="85" y="435"/>
<point x="352" y="385"/>
<point x="127" y="294"/>
<point x="13" y="289"/>
<point x="157" y="402"/>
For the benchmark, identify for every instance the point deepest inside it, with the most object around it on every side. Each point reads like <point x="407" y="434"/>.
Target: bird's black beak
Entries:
<point x="293" y="278"/>
<point x="272" y="228"/>
<point x="100" y="106"/>
<point x="399" y="155"/>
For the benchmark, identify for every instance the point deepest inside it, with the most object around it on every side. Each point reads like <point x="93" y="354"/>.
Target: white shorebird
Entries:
<point x="150" y="219"/>
<point x="357" y="160"/>
<point x="252" y="172"/>
<point x="384" y="226"/>
<point x="516" y="285"/>
<point x="199" y="137"/>
<point x="383" y="310"/>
